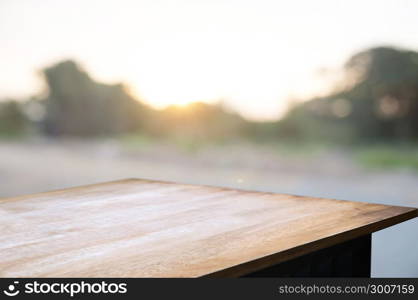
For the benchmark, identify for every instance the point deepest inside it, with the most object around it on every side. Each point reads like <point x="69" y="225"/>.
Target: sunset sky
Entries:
<point x="255" y="55"/>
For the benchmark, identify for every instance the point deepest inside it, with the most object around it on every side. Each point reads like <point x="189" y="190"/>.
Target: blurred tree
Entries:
<point x="384" y="99"/>
<point x="77" y="105"/>
<point x="379" y="99"/>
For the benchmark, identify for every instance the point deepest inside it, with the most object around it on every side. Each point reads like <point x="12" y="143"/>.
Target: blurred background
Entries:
<point x="315" y="98"/>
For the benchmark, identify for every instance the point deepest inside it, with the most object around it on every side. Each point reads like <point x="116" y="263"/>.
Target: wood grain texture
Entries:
<point x="142" y="228"/>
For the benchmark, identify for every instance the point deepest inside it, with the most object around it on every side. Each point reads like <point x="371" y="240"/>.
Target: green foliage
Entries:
<point x="389" y="157"/>
<point x="12" y="119"/>
<point x="303" y="123"/>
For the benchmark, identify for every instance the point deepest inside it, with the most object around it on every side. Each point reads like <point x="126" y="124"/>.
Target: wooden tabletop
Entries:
<point x="142" y="228"/>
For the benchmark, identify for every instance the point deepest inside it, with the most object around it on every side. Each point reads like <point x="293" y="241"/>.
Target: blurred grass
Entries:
<point x="374" y="155"/>
<point x="380" y="156"/>
<point x="303" y="149"/>
<point x="184" y="143"/>
<point x="389" y="156"/>
<point x="134" y="141"/>
<point x="13" y="136"/>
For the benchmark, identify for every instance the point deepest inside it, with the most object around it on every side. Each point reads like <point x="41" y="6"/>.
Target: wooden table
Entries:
<point x="142" y="228"/>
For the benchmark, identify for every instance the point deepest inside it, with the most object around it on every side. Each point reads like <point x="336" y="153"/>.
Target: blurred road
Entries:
<point x="42" y="165"/>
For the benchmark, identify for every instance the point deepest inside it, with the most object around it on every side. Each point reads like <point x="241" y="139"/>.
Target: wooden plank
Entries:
<point x="143" y="228"/>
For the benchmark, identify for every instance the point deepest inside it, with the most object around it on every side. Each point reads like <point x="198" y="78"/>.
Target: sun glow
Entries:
<point x="255" y="55"/>
<point x="218" y="66"/>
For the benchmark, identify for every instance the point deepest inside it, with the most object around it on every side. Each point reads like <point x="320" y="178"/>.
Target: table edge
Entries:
<point x="288" y="254"/>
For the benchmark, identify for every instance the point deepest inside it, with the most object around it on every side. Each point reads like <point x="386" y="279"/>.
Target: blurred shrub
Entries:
<point x="200" y="121"/>
<point x="12" y="119"/>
